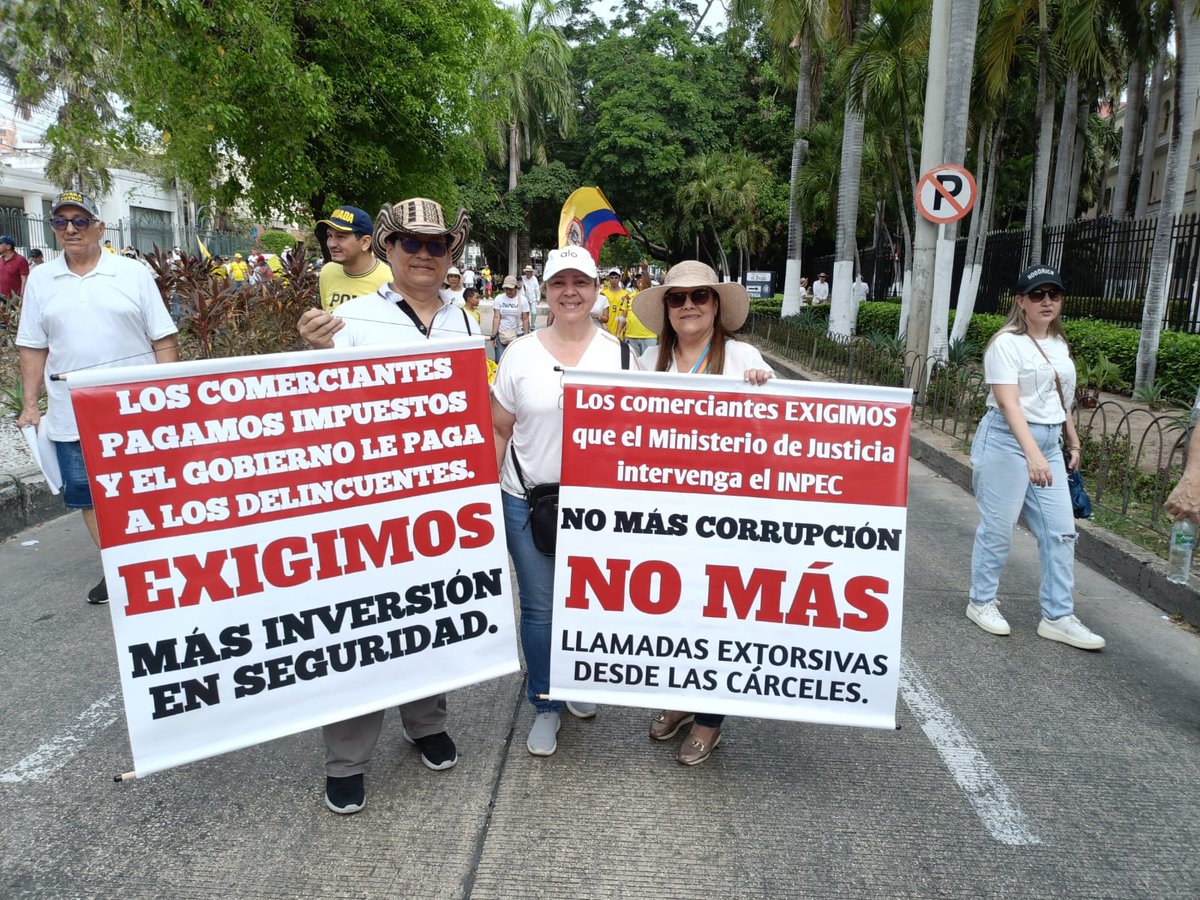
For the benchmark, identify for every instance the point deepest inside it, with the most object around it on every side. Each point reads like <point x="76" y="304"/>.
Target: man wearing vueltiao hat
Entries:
<point x="412" y="236"/>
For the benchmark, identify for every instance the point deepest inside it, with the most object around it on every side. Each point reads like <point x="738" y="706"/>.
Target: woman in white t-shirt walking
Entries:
<point x="1017" y="458"/>
<point x="694" y="316"/>
<point x="528" y="421"/>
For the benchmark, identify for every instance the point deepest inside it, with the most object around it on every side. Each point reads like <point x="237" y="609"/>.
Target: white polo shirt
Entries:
<point x="101" y="320"/>
<point x="379" y="318"/>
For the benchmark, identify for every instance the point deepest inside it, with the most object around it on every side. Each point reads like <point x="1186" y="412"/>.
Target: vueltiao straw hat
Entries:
<point x="421" y="217"/>
<point x="649" y="306"/>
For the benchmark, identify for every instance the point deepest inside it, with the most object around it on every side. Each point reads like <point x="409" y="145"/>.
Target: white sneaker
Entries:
<point x="543" y="740"/>
<point x="1069" y="630"/>
<point x="987" y="616"/>
<point x="581" y="710"/>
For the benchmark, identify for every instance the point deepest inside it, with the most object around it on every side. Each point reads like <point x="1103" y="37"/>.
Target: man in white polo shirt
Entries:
<point x="85" y="310"/>
<point x="413" y="238"/>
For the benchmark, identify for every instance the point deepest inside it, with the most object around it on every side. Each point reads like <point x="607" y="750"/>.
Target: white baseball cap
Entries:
<point x="565" y="258"/>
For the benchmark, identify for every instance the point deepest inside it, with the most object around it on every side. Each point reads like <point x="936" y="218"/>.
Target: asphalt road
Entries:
<point x="1023" y="769"/>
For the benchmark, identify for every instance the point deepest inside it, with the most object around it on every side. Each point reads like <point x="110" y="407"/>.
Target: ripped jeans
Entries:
<point x="1002" y="491"/>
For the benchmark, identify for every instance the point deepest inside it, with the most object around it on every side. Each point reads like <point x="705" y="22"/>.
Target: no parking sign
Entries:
<point x="946" y="194"/>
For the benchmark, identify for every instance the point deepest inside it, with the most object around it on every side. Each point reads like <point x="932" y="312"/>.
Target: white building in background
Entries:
<point x="1154" y="168"/>
<point x="137" y="210"/>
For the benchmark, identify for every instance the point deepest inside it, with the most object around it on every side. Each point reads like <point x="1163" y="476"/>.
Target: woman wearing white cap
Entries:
<point x="694" y="315"/>
<point x="528" y="420"/>
<point x="510" y="315"/>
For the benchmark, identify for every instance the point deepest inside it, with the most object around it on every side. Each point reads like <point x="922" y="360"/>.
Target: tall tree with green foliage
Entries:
<point x="285" y="107"/>
<point x="532" y="65"/>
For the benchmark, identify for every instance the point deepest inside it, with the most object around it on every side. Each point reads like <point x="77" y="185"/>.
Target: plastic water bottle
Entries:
<point x="1179" y="559"/>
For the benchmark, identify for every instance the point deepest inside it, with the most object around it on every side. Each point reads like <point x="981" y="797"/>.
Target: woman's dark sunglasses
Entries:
<point x="700" y="296"/>
<point x="412" y="246"/>
<point x="81" y="223"/>
<point x="1052" y="293"/>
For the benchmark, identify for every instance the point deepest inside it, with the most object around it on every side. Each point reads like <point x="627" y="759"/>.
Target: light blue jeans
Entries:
<point x="535" y="582"/>
<point x="1002" y="491"/>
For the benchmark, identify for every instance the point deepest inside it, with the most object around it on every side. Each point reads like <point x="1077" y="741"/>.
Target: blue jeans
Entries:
<point x="1002" y="491"/>
<point x="535" y="582"/>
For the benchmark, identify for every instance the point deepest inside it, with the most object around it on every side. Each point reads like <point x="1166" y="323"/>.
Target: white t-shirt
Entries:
<point x="378" y="319"/>
<point x="100" y="320"/>
<point x="529" y="388"/>
<point x="599" y="308"/>
<point x="509" y="309"/>
<point x="1013" y="359"/>
<point x="859" y="291"/>
<point x="451" y="296"/>
<point x="820" y="291"/>
<point x="739" y="357"/>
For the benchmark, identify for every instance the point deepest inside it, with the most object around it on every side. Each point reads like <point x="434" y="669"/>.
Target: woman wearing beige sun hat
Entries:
<point x="695" y="315"/>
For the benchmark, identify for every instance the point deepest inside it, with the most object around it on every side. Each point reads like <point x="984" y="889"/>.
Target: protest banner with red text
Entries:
<point x="732" y="549"/>
<point x="296" y="539"/>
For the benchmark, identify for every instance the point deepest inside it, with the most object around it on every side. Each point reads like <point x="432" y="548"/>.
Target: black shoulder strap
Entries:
<point x="624" y="354"/>
<point x="466" y="321"/>
<point x="512" y="451"/>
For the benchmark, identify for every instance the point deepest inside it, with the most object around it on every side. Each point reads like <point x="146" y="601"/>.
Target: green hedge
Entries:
<point x="276" y="241"/>
<point x="1177" y="371"/>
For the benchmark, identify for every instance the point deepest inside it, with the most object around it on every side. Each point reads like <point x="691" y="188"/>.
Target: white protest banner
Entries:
<point x="731" y="549"/>
<point x="296" y="539"/>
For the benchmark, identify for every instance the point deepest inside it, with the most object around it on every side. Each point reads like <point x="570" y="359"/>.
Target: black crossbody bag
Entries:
<point x="543" y="498"/>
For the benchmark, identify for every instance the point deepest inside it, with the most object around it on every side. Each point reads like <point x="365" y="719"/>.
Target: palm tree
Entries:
<point x="855" y="14"/>
<point x="707" y="191"/>
<point x="888" y="66"/>
<point x="794" y="26"/>
<point x="1179" y="154"/>
<point x="533" y="88"/>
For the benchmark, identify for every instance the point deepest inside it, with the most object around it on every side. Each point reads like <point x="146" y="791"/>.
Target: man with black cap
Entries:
<point x="350" y="269"/>
<point x="412" y="236"/>
<point x="14" y="269"/>
<point x="85" y="310"/>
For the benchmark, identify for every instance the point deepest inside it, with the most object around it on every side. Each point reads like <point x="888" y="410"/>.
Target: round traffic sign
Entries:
<point x="945" y="194"/>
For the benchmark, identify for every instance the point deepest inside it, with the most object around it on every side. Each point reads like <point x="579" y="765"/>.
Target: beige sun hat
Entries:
<point x="418" y="216"/>
<point x="649" y="306"/>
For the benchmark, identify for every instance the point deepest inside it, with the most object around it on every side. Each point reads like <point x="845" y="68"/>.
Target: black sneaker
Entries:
<point x="345" y="795"/>
<point x="437" y="750"/>
<point x="98" y="595"/>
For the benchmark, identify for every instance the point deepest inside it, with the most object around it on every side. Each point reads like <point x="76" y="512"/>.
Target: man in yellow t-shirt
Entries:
<point x="639" y="337"/>
<point x="619" y="303"/>
<point x="351" y="267"/>
<point x="238" y="270"/>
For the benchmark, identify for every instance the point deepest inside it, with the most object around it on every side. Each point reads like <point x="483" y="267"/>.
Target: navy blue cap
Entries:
<point x="347" y="219"/>
<point x="8" y="239"/>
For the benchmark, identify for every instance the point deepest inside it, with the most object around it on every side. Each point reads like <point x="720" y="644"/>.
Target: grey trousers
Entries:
<point x="350" y="743"/>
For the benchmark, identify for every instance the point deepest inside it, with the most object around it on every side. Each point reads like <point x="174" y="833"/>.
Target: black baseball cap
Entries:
<point x="1036" y="276"/>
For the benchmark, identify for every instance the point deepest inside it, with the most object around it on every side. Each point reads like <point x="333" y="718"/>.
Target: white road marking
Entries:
<point x="62" y="748"/>
<point x="986" y="791"/>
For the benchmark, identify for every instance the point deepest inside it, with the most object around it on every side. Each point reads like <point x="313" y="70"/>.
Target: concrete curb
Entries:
<point x="25" y="501"/>
<point x="1118" y="559"/>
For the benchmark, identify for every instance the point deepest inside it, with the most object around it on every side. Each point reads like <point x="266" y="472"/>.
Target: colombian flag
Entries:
<point x="588" y="220"/>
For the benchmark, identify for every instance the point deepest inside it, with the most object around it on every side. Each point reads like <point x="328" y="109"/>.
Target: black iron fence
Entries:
<point x="1105" y="264"/>
<point x="142" y="229"/>
<point x="1132" y="456"/>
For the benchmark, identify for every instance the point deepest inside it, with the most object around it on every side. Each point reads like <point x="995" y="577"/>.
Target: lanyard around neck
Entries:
<point x="702" y="363"/>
